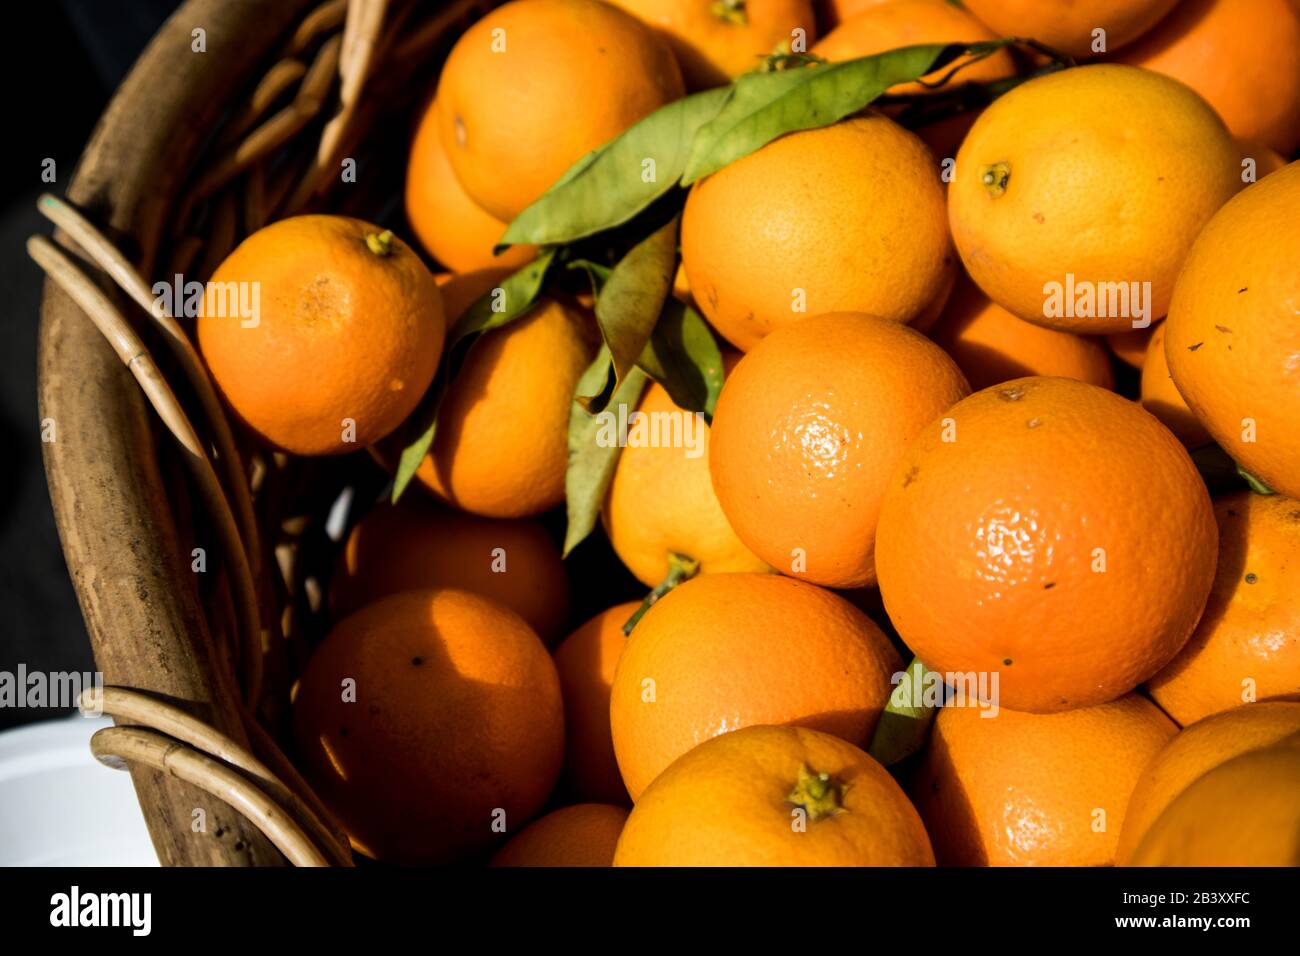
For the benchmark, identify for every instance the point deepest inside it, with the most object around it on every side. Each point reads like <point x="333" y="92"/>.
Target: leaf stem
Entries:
<point x="680" y="568"/>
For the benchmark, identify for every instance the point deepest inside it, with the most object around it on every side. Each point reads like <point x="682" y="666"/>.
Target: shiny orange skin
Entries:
<point x="449" y="225"/>
<point x="991" y="346"/>
<point x="807" y="432"/>
<point x="343" y="334"/>
<point x="416" y="545"/>
<point x="1197" y="749"/>
<point x="1067" y="25"/>
<point x="713" y="48"/>
<point x="584" y="834"/>
<point x="457" y="716"/>
<point x="1244" y="812"/>
<point x="1020" y="545"/>
<point x="1047" y="162"/>
<point x="501" y="447"/>
<point x="1247" y="644"/>
<point x="719" y="653"/>
<point x="586" y="661"/>
<point x="1130" y="346"/>
<point x="1243" y="56"/>
<point x="661" y="502"/>
<point x="1232" y="339"/>
<point x="810" y="212"/>
<point x="1160" y="396"/>
<point x="1019" y="789"/>
<point x="726" y="803"/>
<point x="535" y="85"/>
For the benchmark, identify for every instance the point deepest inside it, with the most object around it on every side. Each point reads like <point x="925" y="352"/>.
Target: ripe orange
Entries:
<point x="586" y="661"/>
<point x="887" y="26"/>
<point x="808" y="430"/>
<point x="831" y="13"/>
<point x="534" y="86"/>
<point x="714" y="41"/>
<point x="426" y="721"/>
<point x="1048" y="162"/>
<point x="1160" y="396"/>
<point x="801" y="226"/>
<point x="1247" y="644"/>
<point x="1243" y="56"/>
<point x="1019" y="789"/>
<point x="1244" y="812"/>
<point x="991" y="346"/>
<point x="1130" y="346"/>
<point x="1051" y="532"/>
<point x="725" y="651"/>
<point x="1267" y="160"/>
<point x="581" y="835"/>
<point x="346" y="337"/>
<point x="1196" y="750"/>
<point x="661" y="499"/>
<point x="1068" y="26"/>
<point x="501" y="447"/>
<point x="454" y="230"/>
<point x="1231" y="338"/>
<point x="774" y="796"/>
<point x="416" y="545"/>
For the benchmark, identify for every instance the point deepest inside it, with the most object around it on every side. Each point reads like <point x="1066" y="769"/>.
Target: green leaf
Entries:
<point x="592" y="455"/>
<point x="513" y="298"/>
<point x="1256" y="485"/>
<point x="904" y="724"/>
<point x="607" y="188"/>
<point x="684" y="358"/>
<point x="597" y="273"/>
<point x="765" y="106"/>
<point x="632" y="298"/>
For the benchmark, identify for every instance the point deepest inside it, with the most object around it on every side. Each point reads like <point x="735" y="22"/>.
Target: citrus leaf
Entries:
<point x="629" y="304"/>
<point x="903" y="725"/>
<point x="592" y="459"/>
<point x="609" y="186"/>
<point x="683" y="357"/>
<point x="1256" y="485"/>
<point x="516" y="294"/>
<point x="764" y="106"/>
<point x="597" y="274"/>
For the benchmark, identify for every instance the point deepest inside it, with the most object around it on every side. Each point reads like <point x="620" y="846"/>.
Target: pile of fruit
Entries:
<point x="934" y="370"/>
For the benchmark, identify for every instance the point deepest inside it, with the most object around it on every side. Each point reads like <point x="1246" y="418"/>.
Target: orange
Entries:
<point x="725" y="651"/>
<point x="1130" y="346"/>
<point x="1004" y="788"/>
<point x="1067" y="25"/>
<point x="661" y="499"/>
<point x="586" y="661"/>
<point x="808" y="430"/>
<point x="1232" y="339"/>
<point x="1050" y="532"/>
<point x="774" y="796"/>
<point x="715" y="40"/>
<point x="460" y="291"/>
<point x="845" y="218"/>
<point x="1162" y="399"/>
<point x="580" y="835"/>
<point x="501" y="447"/>
<point x="1050" y="161"/>
<point x="1243" y="56"/>
<point x="1267" y="160"/>
<point x="448" y="224"/>
<point x="1244" y="812"/>
<point x="427" y="721"/>
<point x="340" y="337"/>
<point x="535" y="85"/>
<point x="887" y="26"/>
<point x="416" y="545"/>
<point x="1247" y="644"/>
<point x="1196" y="750"/>
<point x="831" y="13"/>
<point x="991" y="346"/>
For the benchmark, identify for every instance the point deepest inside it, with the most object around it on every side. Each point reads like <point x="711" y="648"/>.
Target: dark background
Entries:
<point x="61" y="62"/>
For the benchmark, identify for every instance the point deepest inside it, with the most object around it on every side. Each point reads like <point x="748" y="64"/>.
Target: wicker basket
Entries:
<point x="198" y="149"/>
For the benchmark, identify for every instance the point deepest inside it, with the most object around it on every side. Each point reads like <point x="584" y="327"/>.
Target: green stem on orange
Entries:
<point x="995" y="177"/>
<point x="680" y="568"/>
<point x="730" y="11"/>
<point x="381" y="244"/>
<point x="817" y="794"/>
